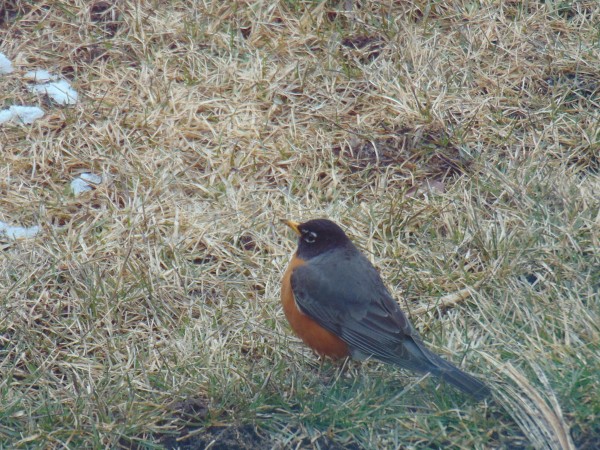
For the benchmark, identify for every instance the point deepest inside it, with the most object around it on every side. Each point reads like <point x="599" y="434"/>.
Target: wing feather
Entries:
<point x="360" y="311"/>
<point x="346" y="296"/>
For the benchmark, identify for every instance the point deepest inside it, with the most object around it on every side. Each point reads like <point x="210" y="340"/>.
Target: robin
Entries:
<point x="336" y="302"/>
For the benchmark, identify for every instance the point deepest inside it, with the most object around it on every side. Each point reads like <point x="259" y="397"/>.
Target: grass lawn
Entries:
<point x="457" y="143"/>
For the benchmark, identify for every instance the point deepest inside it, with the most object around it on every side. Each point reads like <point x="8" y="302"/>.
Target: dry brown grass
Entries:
<point x="458" y="142"/>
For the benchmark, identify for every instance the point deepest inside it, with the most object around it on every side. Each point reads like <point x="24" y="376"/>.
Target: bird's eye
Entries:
<point x="310" y="237"/>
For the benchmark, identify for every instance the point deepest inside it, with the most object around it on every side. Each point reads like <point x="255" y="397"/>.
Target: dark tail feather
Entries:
<point x="424" y="360"/>
<point x="464" y="382"/>
<point x="453" y="375"/>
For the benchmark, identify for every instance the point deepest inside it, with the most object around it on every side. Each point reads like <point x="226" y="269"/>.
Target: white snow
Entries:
<point x="21" y="114"/>
<point x="6" y="115"/>
<point x="60" y="91"/>
<point x="5" y="65"/>
<point x="18" y="232"/>
<point x="85" y="182"/>
<point x="40" y="76"/>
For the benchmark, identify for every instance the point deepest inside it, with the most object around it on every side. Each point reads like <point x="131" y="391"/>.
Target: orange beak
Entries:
<point x="293" y="225"/>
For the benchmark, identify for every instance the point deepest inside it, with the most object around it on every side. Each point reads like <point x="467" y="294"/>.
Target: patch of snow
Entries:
<point x="5" y="65"/>
<point x="6" y="115"/>
<point x="91" y="177"/>
<point x="60" y="91"/>
<point x="16" y="233"/>
<point x="85" y="182"/>
<point x="21" y="114"/>
<point x="40" y="76"/>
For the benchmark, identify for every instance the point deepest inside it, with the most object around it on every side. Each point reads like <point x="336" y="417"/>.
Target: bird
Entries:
<point x="336" y="302"/>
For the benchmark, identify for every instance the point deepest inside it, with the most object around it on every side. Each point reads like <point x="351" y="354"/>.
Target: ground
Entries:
<point x="456" y="142"/>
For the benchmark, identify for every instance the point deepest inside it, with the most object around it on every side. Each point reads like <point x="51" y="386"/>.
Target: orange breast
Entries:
<point x="314" y="335"/>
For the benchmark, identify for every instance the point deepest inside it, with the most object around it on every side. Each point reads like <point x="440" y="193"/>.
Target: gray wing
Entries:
<point x="347" y="297"/>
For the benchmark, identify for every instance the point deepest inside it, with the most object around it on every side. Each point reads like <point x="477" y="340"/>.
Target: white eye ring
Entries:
<point x="310" y="237"/>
